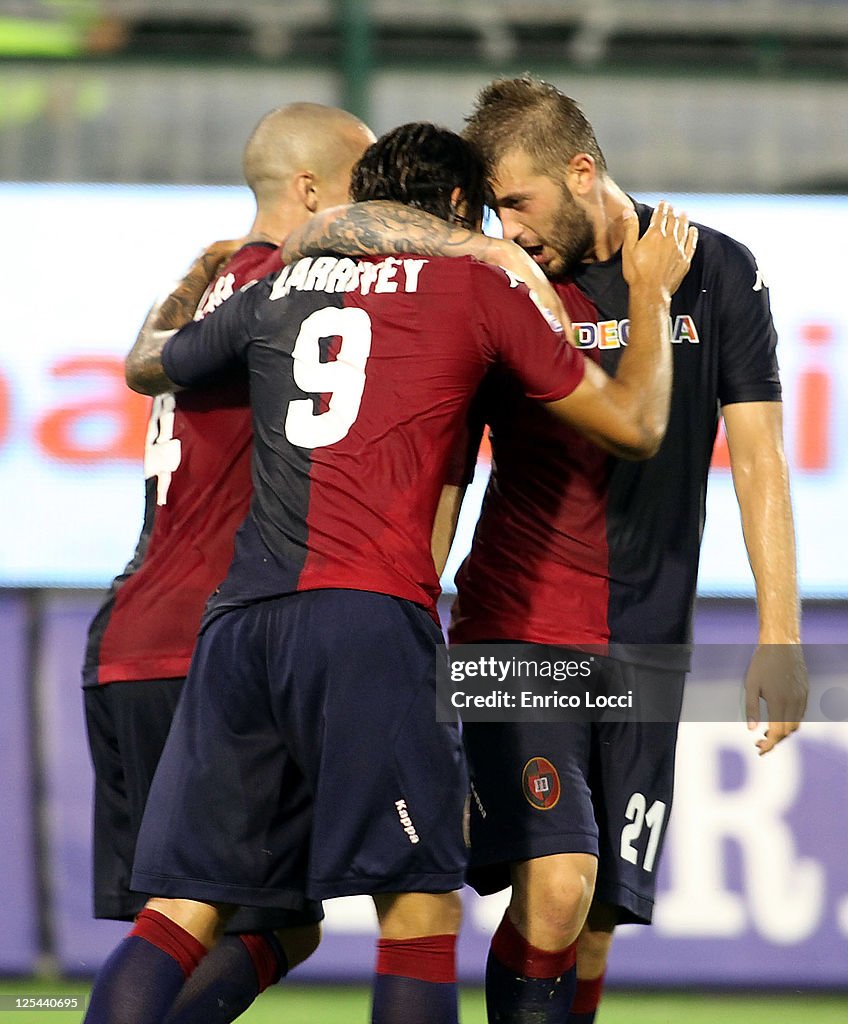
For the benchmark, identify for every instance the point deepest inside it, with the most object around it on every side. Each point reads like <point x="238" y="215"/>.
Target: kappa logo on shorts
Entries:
<point x="540" y="783"/>
<point x="406" y="821"/>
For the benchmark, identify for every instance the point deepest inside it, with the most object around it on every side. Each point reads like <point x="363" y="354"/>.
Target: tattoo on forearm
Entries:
<point x="144" y="371"/>
<point x="152" y="381"/>
<point x="384" y="227"/>
<point x="143" y="366"/>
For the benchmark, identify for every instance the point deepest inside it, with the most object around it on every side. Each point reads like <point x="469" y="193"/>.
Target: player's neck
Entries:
<point x="608" y="221"/>
<point x="263" y="236"/>
<point x="274" y="225"/>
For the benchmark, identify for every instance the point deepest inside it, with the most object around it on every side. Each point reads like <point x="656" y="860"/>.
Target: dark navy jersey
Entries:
<point x="574" y="546"/>
<point x="361" y="376"/>
<point x="197" y="470"/>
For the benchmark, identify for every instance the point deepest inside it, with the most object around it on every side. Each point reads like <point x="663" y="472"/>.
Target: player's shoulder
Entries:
<point x="460" y="267"/>
<point x="249" y="264"/>
<point x="712" y="243"/>
<point x="464" y="275"/>
<point x="496" y="281"/>
<point x="256" y="259"/>
<point x="722" y="264"/>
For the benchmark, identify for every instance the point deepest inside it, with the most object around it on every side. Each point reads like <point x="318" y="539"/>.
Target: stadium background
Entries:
<point x="111" y="115"/>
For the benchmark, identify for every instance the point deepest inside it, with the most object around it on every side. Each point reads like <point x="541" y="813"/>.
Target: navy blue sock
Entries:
<point x="526" y="985"/>
<point x="144" y="973"/>
<point x="415" y="981"/>
<point x="228" y="979"/>
<point x="412" y="1001"/>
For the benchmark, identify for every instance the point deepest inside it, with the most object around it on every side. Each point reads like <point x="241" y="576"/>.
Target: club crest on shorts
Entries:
<point x="540" y="783"/>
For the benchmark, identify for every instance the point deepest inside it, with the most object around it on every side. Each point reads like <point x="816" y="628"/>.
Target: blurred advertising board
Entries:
<point x="82" y="264"/>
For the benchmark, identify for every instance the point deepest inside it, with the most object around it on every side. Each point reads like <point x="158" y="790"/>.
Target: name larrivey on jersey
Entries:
<point x="334" y="274"/>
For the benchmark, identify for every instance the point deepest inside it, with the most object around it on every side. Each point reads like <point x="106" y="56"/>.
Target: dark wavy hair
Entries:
<point x="420" y="164"/>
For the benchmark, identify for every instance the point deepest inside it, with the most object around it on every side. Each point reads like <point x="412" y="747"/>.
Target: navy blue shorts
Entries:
<point x="305" y="760"/>
<point x="602" y="788"/>
<point x="128" y="724"/>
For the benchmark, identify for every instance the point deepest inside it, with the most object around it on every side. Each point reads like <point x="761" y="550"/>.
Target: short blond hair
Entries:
<point x="530" y="114"/>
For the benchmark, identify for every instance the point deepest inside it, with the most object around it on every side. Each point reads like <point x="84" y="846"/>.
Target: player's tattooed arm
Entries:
<point x="143" y="370"/>
<point x="381" y="227"/>
<point x="143" y="366"/>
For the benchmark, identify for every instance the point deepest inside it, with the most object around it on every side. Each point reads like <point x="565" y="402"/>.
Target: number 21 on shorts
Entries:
<point x="639" y="815"/>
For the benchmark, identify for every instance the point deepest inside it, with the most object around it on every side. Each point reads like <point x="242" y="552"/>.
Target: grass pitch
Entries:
<point x="300" y="1004"/>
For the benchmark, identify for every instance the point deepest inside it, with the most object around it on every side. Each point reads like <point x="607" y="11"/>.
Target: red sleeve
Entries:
<point x="518" y="336"/>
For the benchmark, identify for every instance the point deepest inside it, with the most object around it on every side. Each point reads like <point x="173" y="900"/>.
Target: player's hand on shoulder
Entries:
<point x="661" y="258"/>
<point x="216" y="255"/>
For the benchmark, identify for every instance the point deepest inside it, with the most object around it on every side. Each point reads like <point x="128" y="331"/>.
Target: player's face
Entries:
<point x="541" y="215"/>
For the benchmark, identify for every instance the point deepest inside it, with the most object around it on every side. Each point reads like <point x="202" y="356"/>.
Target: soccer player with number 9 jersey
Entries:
<point x="305" y="760"/>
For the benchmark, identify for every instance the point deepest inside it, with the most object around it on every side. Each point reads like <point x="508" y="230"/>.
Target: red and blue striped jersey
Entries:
<point x="576" y="547"/>
<point x="361" y="377"/>
<point x="197" y="470"/>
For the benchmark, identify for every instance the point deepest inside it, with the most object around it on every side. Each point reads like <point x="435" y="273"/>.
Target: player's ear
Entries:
<point x="307" y="190"/>
<point x="582" y="174"/>
<point x="459" y="208"/>
<point x="460" y="212"/>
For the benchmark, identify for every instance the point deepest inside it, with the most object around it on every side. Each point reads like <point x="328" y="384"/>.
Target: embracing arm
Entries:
<point x="381" y="227"/>
<point x="760" y="476"/>
<point x="143" y="366"/>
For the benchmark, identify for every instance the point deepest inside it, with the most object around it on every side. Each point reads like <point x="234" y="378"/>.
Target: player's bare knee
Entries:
<point x="412" y="914"/>
<point x="205" y="921"/>
<point x="563" y="906"/>
<point x="551" y="898"/>
<point x="299" y="943"/>
<point x="450" y="912"/>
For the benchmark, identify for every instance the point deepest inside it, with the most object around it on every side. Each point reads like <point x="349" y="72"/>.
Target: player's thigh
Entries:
<point x="529" y="795"/>
<point x="409" y="914"/>
<point x="389" y="780"/>
<point x="127" y="726"/>
<point x="114" y="828"/>
<point x="109" y="783"/>
<point x="229" y="814"/>
<point x="142" y="711"/>
<point x="632" y="787"/>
